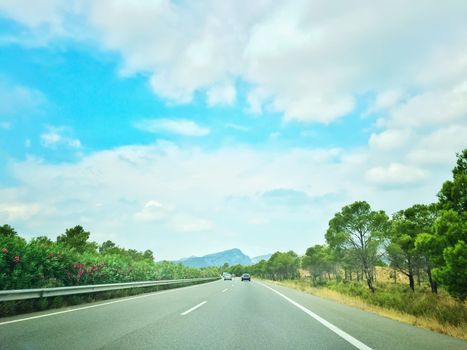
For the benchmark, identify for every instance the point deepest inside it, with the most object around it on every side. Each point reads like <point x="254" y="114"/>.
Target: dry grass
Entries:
<point x="424" y="322"/>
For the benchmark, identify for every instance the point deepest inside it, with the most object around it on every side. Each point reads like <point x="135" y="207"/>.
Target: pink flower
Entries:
<point x="16" y="259"/>
<point x="94" y="267"/>
<point x="5" y="250"/>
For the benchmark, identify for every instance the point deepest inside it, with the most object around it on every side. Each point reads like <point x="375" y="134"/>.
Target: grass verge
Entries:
<point x="440" y="313"/>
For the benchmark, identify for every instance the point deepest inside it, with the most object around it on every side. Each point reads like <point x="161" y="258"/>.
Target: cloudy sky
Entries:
<point x="192" y="127"/>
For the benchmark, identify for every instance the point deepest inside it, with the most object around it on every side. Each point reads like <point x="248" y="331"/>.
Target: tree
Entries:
<point x="406" y="225"/>
<point x="453" y="194"/>
<point x="148" y="255"/>
<point x="454" y="273"/>
<point x="357" y="227"/>
<point x="7" y="230"/>
<point x="109" y="247"/>
<point x="450" y="234"/>
<point x="430" y="248"/>
<point x="317" y="260"/>
<point x="283" y="265"/>
<point x="451" y="230"/>
<point x="76" y="238"/>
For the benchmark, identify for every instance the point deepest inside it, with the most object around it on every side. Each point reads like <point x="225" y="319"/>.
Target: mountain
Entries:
<point x="257" y="259"/>
<point x="232" y="257"/>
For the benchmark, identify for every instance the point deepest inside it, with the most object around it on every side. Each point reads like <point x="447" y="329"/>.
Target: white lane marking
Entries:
<point x="193" y="308"/>
<point x="225" y="290"/>
<point x="357" y="343"/>
<point x="103" y="304"/>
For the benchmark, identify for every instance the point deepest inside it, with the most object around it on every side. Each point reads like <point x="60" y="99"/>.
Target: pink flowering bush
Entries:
<point x="42" y="262"/>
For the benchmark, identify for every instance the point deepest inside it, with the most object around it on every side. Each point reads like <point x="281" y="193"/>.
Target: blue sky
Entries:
<point x="188" y="128"/>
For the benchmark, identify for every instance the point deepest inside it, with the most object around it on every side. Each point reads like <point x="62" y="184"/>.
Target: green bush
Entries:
<point x="41" y="263"/>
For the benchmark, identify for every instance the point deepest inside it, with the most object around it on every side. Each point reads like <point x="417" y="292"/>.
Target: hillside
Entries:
<point x="232" y="257"/>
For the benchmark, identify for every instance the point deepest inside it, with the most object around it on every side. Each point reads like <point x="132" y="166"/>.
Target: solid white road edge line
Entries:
<point x="193" y="308"/>
<point x="225" y="290"/>
<point x="102" y="304"/>
<point x="357" y="343"/>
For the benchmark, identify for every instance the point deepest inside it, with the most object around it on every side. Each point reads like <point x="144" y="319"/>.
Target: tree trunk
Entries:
<point x="370" y="285"/>
<point x="433" y="284"/>
<point x="410" y="275"/>
<point x="369" y="278"/>
<point x="411" y="282"/>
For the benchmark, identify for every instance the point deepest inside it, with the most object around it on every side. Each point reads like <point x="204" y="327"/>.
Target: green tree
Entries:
<point x="356" y="227"/>
<point x="109" y="247"/>
<point x="454" y="273"/>
<point x="76" y="238"/>
<point x="148" y="255"/>
<point x="406" y="225"/>
<point x="430" y="248"/>
<point x="7" y="230"/>
<point x="451" y="230"/>
<point x="450" y="235"/>
<point x="453" y="194"/>
<point x="317" y="261"/>
<point x="283" y="265"/>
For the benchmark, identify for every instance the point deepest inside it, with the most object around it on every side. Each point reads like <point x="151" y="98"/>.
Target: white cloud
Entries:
<point x="50" y="138"/>
<point x="18" y="211"/>
<point x="148" y="197"/>
<point x="390" y="140"/>
<point x="432" y="108"/>
<point x="44" y="20"/>
<point x="175" y="126"/>
<point x="223" y="94"/>
<point x="440" y="146"/>
<point x="307" y="60"/>
<point x="385" y="100"/>
<point x="199" y="225"/>
<point x="56" y="136"/>
<point x="34" y="14"/>
<point x="152" y="211"/>
<point x="395" y="174"/>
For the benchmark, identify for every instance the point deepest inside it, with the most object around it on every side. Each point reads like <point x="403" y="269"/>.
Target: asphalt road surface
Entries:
<point x="216" y="315"/>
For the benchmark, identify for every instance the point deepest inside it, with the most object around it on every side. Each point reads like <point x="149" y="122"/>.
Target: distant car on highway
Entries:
<point x="227" y="277"/>
<point x="246" y="277"/>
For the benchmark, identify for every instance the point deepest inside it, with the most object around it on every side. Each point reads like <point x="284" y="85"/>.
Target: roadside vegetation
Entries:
<point x="73" y="260"/>
<point x="422" y="251"/>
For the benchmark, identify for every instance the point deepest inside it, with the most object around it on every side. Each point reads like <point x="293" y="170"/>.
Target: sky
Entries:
<point x="190" y="127"/>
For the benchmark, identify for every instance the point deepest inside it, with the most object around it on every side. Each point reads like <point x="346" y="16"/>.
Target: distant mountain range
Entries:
<point x="232" y="257"/>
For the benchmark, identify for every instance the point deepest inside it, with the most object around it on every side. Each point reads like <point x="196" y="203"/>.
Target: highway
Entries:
<point x="216" y="315"/>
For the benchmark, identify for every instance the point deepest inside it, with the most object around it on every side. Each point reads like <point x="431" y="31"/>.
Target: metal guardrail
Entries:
<point x="21" y="294"/>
